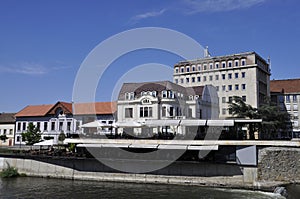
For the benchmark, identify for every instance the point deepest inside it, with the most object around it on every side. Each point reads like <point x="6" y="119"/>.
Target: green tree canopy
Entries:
<point x="32" y="135"/>
<point x="273" y="119"/>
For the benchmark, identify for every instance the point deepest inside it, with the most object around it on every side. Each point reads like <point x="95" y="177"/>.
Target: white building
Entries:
<point x="245" y="74"/>
<point x="161" y="100"/>
<point x="7" y="128"/>
<point x="52" y="119"/>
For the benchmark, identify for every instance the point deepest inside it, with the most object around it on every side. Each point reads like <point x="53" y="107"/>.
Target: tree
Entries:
<point x="240" y="109"/>
<point x="3" y="138"/>
<point x="32" y="135"/>
<point x="273" y="119"/>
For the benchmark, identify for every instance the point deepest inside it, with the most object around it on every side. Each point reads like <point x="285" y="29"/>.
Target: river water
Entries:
<point x="29" y="187"/>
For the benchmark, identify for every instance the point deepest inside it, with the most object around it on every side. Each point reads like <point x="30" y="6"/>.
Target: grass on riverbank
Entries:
<point x="10" y="172"/>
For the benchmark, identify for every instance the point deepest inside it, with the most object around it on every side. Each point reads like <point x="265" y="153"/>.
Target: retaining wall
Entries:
<point x="279" y="164"/>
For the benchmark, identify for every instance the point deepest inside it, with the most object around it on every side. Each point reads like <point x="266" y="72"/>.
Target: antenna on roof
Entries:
<point x="269" y="62"/>
<point x="206" y="52"/>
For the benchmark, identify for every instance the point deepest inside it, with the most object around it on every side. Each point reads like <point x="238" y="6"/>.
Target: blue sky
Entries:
<point x="43" y="43"/>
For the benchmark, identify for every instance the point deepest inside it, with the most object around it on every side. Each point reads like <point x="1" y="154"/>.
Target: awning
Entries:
<point x="220" y="122"/>
<point x="93" y="124"/>
<point x="163" y="122"/>
<point x="45" y="143"/>
<point x="193" y="122"/>
<point x="128" y="124"/>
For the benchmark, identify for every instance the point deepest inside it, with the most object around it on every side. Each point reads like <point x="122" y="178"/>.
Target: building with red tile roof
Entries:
<point x="286" y="93"/>
<point x="52" y="119"/>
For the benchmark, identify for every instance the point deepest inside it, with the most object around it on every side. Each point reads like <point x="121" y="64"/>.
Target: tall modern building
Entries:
<point x="246" y="75"/>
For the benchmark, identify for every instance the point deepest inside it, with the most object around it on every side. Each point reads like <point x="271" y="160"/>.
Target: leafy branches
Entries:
<point x="32" y="135"/>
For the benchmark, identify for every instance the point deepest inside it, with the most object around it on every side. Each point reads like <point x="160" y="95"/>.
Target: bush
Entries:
<point x="9" y="172"/>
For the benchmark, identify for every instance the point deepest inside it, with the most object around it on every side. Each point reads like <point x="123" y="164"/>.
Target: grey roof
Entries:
<point x="157" y="86"/>
<point x="7" y="118"/>
<point x="223" y="57"/>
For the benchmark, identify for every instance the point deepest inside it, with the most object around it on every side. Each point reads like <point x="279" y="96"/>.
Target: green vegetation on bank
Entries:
<point x="9" y="172"/>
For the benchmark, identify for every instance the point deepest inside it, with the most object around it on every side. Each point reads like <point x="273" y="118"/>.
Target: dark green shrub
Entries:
<point x="9" y="172"/>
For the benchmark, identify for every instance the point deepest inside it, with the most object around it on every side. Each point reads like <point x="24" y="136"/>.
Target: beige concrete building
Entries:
<point x="245" y="74"/>
<point x="286" y="94"/>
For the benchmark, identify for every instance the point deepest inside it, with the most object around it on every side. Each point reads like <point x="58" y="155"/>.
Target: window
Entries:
<point x="237" y="87"/>
<point x="188" y="69"/>
<point x="164" y="111"/>
<point x="10" y="131"/>
<point x="171" y="94"/>
<point x="230" y="64"/>
<point x="199" y="67"/>
<point x="193" y="79"/>
<point x="199" y="79"/>
<point x="128" y="112"/>
<point x="182" y="69"/>
<point x="294" y="98"/>
<point x="243" y="86"/>
<point x="171" y="111"/>
<point x="236" y="75"/>
<point x="230" y="99"/>
<point x="223" y="76"/>
<point x="45" y="126"/>
<point x="181" y="80"/>
<point x="61" y="126"/>
<point x="4" y="131"/>
<point x="52" y="126"/>
<point x="243" y="62"/>
<point x="281" y="99"/>
<point x="224" y="88"/>
<point x="24" y="126"/>
<point x="154" y="93"/>
<point x="204" y="78"/>
<point x="204" y="67"/>
<point x="236" y="63"/>
<point x="193" y="68"/>
<point x="295" y="107"/>
<point x="230" y="87"/>
<point x="176" y="70"/>
<point x="129" y="96"/>
<point x="164" y="94"/>
<point x="210" y="78"/>
<point x="288" y="107"/>
<point x="244" y="98"/>
<point x="176" y="81"/>
<point x="18" y="138"/>
<point x="230" y="111"/>
<point x="287" y="99"/>
<point x="243" y="74"/>
<point x="19" y="126"/>
<point x="217" y="77"/>
<point x="210" y="66"/>
<point x="187" y="80"/>
<point x="229" y="76"/>
<point x="223" y="100"/>
<point x="145" y="111"/>
<point x="38" y="125"/>
<point x="217" y="65"/>
<point x="217" y="88"/>
<point x="223" y="64"/>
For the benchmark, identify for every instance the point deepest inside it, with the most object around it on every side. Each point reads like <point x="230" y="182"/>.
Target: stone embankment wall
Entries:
<point x="45" y="169"/>
<point x="279" y="164"/>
